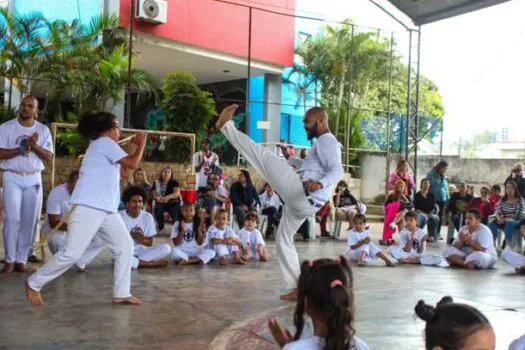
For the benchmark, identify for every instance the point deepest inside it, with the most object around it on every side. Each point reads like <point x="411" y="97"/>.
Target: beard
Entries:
<point x="312" y="133"/>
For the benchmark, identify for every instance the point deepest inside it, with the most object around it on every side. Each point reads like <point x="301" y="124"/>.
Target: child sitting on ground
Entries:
<point x="325" y="293"/>
<point x="189" y="238"/>
<point x="412" y="244"/>
<point x="360" y="246"/>
<point x="224" y="241"/>
<point x="252" y="240"/>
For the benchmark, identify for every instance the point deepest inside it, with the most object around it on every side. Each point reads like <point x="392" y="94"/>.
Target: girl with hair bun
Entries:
<point x="96" y="199"/>
<point x="325" y="294"/>
<point x="453" y="326"/>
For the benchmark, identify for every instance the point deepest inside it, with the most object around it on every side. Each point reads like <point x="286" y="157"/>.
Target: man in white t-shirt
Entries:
<point x="25" y="144"/>
<point x="474" y="247"/>
<point x="204" y="162"/>
<point x="304" y="190"/>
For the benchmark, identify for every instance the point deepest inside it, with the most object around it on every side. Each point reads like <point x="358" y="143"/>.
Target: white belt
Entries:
<point x="23" y="173"/>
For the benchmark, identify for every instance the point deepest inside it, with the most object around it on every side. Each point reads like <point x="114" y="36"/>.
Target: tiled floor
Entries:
<point x="227" y="307"/>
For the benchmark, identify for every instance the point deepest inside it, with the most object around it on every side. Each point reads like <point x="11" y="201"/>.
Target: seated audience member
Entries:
<point x="224" y="241"/>
<point x="243" y="196"/>
<point x="189" y="238"/>
<point x="220" y="193"/>
<point x="516" y="260"/>
<point x="270" y="203"/>
<point x="346" y="205"/>
<point x="253" y="244"/>
<point x="484" y="204"/>
<point x="167" y="196"/>
<point x="396" y="206"/>
<point x="495" y="194"/>
<point x="206" y="199"/>
<point x="509" y="211"/>
<point x="140" y="179"/>
<point x="471" y="191"/>
<point x="425" y="206"/>
<point x="518" y="178"/>
<point x="458" y="205"/>
<point x="439" y="188"/>
<point x="452" y="189"/>
<point x="360" y="247"/>
<point x="402" y="174"/>
<point x="451" y="325"/>
<point x="413" y="244"/>
<point x="474" y="247"/>
<point x="322" y="215"/>
<point x="326" y="295"/>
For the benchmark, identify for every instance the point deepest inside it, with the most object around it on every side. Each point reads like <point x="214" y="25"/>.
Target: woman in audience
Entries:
<point x="396" y="206"/>
<point x="402" y="174"/>
<point x="495" y="194"/>
<point x="516" y="260"/>
<point x="439" y="188"/>
<point x="425" y="206"/>
<point x="458" y="205"/>
<point x="346" y="205"/>
<point x="166" y="194"/>
<point x="139" y="178"/>
<point x="270" y="203"/>
<point x="517" y="176"/>
<point x="484" y="204"/>
<point x="509" y="211"/>
<point x="451" y="325"/>
<point x="243" y="196"/>
<point x="326" y="296"/>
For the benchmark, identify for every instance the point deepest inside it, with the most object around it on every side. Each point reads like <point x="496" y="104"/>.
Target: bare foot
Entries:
<point x="292" y="296"/>
<point x="389" y="263"/>
<point x="127" y="301"/>
<point x="21" y="267"/>
<point x="153" y="264"/>
<point x="223" y="260"/>
<point x="32" y="295"/>
<point x="8" y="268"/>
<point x="226" y="115"/>
<point x="263" y="257"/>
<point x="470" y="266"/>
<point x="238" y="260"/>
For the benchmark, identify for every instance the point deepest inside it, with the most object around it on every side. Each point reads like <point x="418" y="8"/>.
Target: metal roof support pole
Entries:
<point x="389" y="112"/>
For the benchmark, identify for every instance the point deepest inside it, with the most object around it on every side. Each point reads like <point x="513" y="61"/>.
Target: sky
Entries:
<point x="477" y="60"/>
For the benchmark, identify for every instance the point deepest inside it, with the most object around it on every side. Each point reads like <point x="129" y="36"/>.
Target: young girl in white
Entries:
<point x="412" y="244"/>
<point x="252" y="240"/>
<point x="96" y="198"/>
<point x="189" y="238"/>
<point x="360" y="247"/>
<point x="326" y="295"/>
<point x="224" y="241"/>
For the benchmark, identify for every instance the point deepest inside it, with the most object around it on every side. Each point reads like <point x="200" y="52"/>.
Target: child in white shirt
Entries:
<point x="190" y="239"/>
<point x="224" y="241"/>
<point x="360" y="248"/>
<point x="412" y="244"/>
<point x="252" y="240"/>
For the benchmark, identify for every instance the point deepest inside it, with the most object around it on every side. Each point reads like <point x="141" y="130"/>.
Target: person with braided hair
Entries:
<point x="451" y="325"/>
<point x="325" y="293"/>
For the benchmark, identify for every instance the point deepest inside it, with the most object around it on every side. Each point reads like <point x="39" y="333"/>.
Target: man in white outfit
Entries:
<point x="474" y="247"/>
<point x="25" y="144"/>
<point x="516" y="260"/>
<point x="304" y="190"/>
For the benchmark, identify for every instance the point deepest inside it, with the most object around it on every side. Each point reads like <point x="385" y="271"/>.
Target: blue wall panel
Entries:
<point x="256" y="108"/>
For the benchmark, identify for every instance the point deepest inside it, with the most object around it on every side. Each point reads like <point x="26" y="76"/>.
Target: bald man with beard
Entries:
<point x="304" y="185"/>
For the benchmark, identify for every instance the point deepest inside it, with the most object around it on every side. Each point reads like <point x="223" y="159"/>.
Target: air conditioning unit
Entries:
<point x="152" y="11"/>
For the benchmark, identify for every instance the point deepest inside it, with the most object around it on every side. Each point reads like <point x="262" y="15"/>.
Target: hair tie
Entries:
<point x="310" y="263"/>
<point x="335" y="283"/>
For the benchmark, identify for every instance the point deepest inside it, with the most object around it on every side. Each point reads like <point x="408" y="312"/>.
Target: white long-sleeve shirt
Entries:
<point x="322" y="164"/>
<point x="272" y="201"/>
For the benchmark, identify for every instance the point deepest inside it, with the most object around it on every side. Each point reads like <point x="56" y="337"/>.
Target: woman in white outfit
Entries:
<point x="516" y="260"/>
<point x="96" y="198"/>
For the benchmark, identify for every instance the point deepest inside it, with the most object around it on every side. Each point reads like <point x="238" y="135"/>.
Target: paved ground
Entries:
<point x="216" y="307"/>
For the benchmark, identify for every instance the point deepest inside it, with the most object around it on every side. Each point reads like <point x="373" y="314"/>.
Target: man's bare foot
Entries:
<point x="470" y="266"/>
<point x="226" y="115"/>
<point x="263" y="257"/>
<point x="153" y="264"/>
<point x="127" y="301"/>
<point x="292" y="296"/>
<point x="223" y="260"/>
<point x="8" y="268"/>
<point x="389" y="263"/>
<point x="238" y="260"/>
<point x="32" y="295"/>
<point x="21" y="267"/>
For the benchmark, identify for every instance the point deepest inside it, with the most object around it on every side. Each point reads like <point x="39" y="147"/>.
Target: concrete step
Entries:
<point x="374" y="217"/>
<point x="374" y="209"/>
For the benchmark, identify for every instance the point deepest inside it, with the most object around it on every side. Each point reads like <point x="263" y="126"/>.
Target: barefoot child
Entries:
<point x="189" y="238"/>
<point x="252" y="240"/>
<point x="412" y="244"/>
<point x="516" y="260"/>
<point x="360" y="246"/>
<point x="326" y="295"/>
<point x="224" y="241"/>
<point x="97" y="197"/>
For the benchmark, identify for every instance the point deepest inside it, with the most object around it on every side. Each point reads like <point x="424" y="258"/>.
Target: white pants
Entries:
<point x="58" y="243"/>
<point x="512" y="258"/>
<point x="22" y="205"/>
<point x="221" y="250"/>
<point x="288" y="184"/>
<point x="184" y="253"/>
<point x="84" y="224"/>
<point x="481" y="260"/>
<point x="425" y="258"/>
<point x="252" y="240"/>
<point x="370" y="249"/>
<point x="153" y="253"/>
